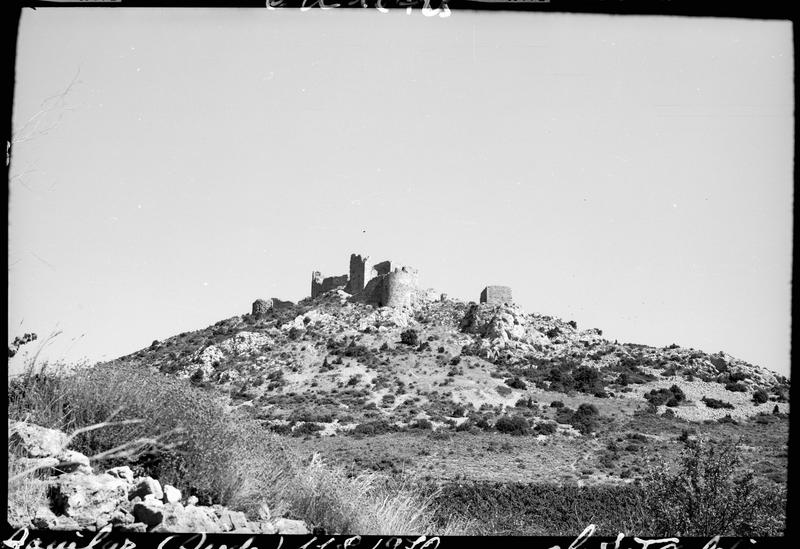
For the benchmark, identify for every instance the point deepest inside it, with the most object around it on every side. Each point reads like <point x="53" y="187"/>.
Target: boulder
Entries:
<point x="177" y="518"/>
<point x="232" y="520"/>
<point x="123" y="473"/>
<point x="71" y="461"/>
<point x="120" y="516"/>
<point x="145" y="486"/>
<point x="43" y="518"/>
<point x="290" y="526"/>
<point x="138" y="527"/>
<point x="85" y="498"/>
<point x="36" y="441"/>
<point x="68" y="524"/>
<point x="171" y="494"/>
<point x="150" y="512"/>
<point x="264" y="528"/>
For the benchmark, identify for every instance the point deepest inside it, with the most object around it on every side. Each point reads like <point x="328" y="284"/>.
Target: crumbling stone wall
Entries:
<point x="358" y="268"/>
<point x="382" y="268"/>
<point x="496" y="295"/>
<point x="261" y="306"/>
<point x="320" y="285"/>
<point x="279" y="304"/>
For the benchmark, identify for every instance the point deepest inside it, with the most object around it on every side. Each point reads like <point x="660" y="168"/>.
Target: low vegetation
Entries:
<point x="216" y="455"/>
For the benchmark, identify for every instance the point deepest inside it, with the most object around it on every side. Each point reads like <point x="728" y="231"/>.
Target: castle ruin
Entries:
<point x="496" y="295"/>
<point x="385" y="287"/>
<point x="320" y="285"/>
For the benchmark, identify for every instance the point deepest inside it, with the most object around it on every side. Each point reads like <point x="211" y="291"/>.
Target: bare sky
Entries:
<point x="631" y="173"/>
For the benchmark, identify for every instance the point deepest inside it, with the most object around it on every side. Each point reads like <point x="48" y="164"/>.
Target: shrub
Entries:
<point x="306" y="428"/>
<point x="516" y="383"/>
<point x="465" y="426"/>
<point x="377" y="427"/>
<point x="587" y="379"/>
<point x="736" y="386"/>
<point x="556" y="404"/>
<point x="709" y="495"/>
<point x="584" y="419"/>
<point x="410" y="337"/>
<point x="671" y="397"/>
<point x="716" y="404"/>
<point x="760" y="396"/>
<point x="423" y="424"/>
<point x="545" y="428"/>
<point x="512" y="425"/>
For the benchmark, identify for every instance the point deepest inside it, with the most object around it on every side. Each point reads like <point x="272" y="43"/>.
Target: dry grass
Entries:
<point x="195" y="443"/>
<point x="26" y="494"/>
<point x="369" y="503"/>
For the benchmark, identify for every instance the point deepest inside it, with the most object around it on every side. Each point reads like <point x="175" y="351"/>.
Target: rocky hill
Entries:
<point x="485" y="409"/>
<point x="331" y="364"/>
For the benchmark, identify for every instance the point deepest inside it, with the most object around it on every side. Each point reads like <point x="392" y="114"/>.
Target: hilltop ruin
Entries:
<point x="496" y="295"/>
<point x="383" y="286"/>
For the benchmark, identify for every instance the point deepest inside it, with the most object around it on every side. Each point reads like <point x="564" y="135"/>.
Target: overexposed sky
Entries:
<point x="631" y="173"/>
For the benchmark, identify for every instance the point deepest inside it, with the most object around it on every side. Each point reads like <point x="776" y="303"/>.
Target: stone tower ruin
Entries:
<point x="358" y="272"/>
<point x="496" y="295"/>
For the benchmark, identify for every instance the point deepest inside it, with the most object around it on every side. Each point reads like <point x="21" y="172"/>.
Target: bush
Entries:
<point x="716" y="404"/>
<point x="584" y="419"/>
<point x="556" y="404"/>
<point x="760" y="396"/>
<point x="671" y="397"/>
<point x="736" y="386"/>
<point x="306" y="428"/>
<point x="587" y="379"/>
<point x="545" y="428"/>
<point x="371" y="428"/>
<point x="709" y="495"/>
<point x="516" y="383"/>
<point x="423" y="424"/>
<point x="410" y="337"/>
<point x="512" y="425"/>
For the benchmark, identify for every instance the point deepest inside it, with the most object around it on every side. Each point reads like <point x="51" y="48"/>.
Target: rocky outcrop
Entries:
<point x="43" y="448"/>
<point x="87" y="499"/>
<point x="81" y="500"/>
